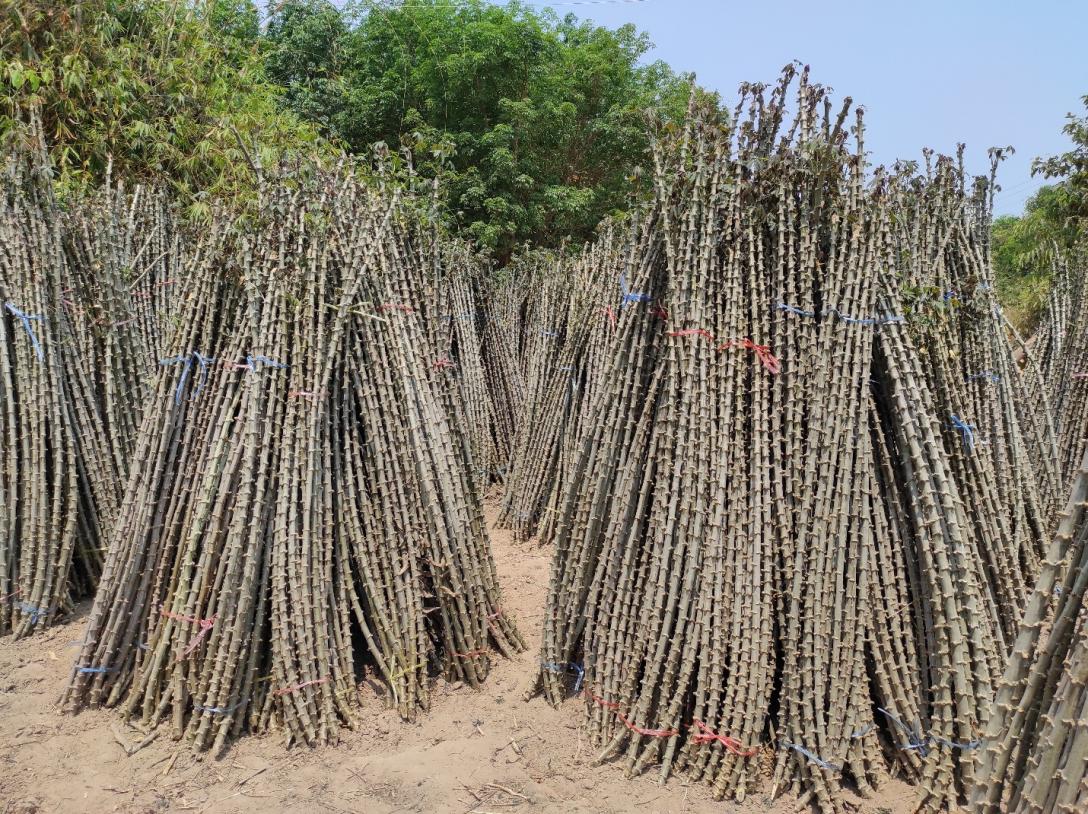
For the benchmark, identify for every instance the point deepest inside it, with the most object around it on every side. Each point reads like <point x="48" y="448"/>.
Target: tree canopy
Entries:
<point x="535" y="123"/>
<point x="1054" y="220"/>
<point x="157" y="87"/>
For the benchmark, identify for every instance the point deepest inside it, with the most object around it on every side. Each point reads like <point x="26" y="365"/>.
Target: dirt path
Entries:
<point x="483" y="752"/>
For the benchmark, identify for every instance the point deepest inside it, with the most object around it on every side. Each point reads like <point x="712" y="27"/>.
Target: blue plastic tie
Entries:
<point x="893" y="320"/>
<point x="631" y="296"/>
<point x="581" y="675"/>
<point x="949" y="295"/>
<point x="819" y="761"/>
<point x="253" y="362"/>
<point x="914" y="737"/>
<point x="204" y="361"/>
<point x="563" y="667"/>
<point x="953" y="745"/>
<point x="217" y="710"/>
<point x="95" y="669"/>
<point x="25" y="319"/>
<point x="548" y="333"/>
<point x="33" y="611"/>
<point x="968" y="431"/>
<point x="850" y="319"/>
<point x="566" y="369"/>
<point x="988" y="375"/>
<point x="187" y="360"/>
<point x="861" y="733"/>
<point x="793" y="309"/>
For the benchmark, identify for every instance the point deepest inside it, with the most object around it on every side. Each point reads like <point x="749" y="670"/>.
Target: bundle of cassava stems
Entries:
<point x="816" y="491"/>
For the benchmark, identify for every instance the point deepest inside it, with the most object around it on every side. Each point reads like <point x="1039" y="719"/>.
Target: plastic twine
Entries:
<point x="915" y="740"/>
<point x="967" y="430"/>
<point x="205" y="626"/>
<point x="297" y="687"/>
<point x="762" y="352"/>
<point x="650" y="733"/>
<point x="793" y="309"/>
<point x="26" y="320"/>
<point x="33" y="611"/>
<point x="254" y="362"/>
<point x="734" y="746"/>
<point x="218" y="710"/>
<point x="864" y="320"/>
<point x="608" y="312"/>
<point x="630" y="296"/>
<point x="693" y="332"/>
<point x="975" y="744"/>
<point x="563" y="667"/>
<point x="187" y="360"/>
<point x="819" y="761"/>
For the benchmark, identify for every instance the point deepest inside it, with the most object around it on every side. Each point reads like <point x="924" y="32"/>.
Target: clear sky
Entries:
<point x="929" y="73"/>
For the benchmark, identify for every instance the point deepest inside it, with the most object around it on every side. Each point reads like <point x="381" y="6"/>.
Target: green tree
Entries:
<point x="157" y="87"/>
<point x="1024" y="247"/>
<point x="1054" y="220"/>
<point x="1072" y="168"/>
<point x="535" y="123"/>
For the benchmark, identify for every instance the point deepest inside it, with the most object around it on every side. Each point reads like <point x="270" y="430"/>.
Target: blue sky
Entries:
<point x="929" y="73"/>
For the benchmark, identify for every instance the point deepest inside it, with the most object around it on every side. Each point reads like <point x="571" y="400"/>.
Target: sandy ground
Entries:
<point x="475" y="753"/>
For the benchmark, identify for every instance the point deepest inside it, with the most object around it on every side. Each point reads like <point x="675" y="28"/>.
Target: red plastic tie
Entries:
<point x="14" y="593"/>
<point x="471" y="654"/>
<point x="608" y="312"/>
<point x="601" y="701"/>
<point x="442" y="364"/>
<point x="303" y="394"/>
<point x="205" y="626"/>
<point x="394" y="306"/>
<point x="496" y="614"/>
<point x="1079" y="375"/>
<point x="693" y="332"/>
<point x="650" y="733"/>
<point x="707" y="735"/>
<point x="297" y="687"/>
<point x="660" y="312"/>
<point x="763" y="352"/>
